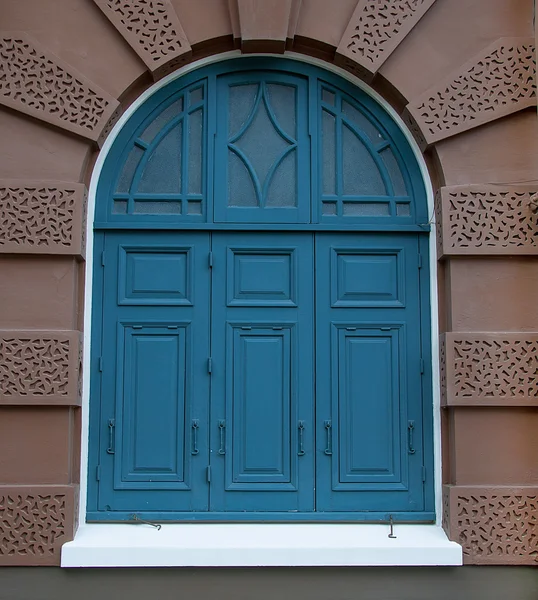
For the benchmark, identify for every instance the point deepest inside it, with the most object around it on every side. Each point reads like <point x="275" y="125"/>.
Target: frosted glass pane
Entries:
<point x="327" y="96"/>
<point x="329" y="153"/>
<point x="261" y="143"/>
<point x="283" y="186"/>
<point x="395" y="173"/>
<point x="282" y="103"/>
<point x="366" y="209"/>
<point x="195" y="152"/>
<point x="403" y="210"/>
<point x="329" y="209"/>
<point x="194" y="207"/>
<point x="196" y="95"/>
<point x="161" y="120"/>
<point x="119" y="207"/>
<point x="361" y="122"/>
<point x="360" y="173"/>
<point x="162" y="173"/>
<point x="242" y="98"/>
<point x="241" y="190"/>
<point x="157" y="208"/>
<point x="124" y="182"/>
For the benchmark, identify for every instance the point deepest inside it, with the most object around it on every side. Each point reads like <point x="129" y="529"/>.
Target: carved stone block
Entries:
<point x="494" y="525"/>
<point x="487" y="219"/>
<point x="36" y="82"/>
<point x="34" y="523"/>
<point x="264" y="25"/>
<point x="39" y="367"/>
<point x="152" y="29"/>
<point x="490" y="369"/>
<point x="498" y="81"/>
<point x="41" y="217"/>
<point x="375" y="30"/>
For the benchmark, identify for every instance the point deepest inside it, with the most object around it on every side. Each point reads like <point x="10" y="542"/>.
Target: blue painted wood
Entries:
<point x="368" y="379"/>
<point x="262" y="347"/>
<point x="155" y="383"/>
<point x="267" y="517"/>
<point x="150" y="425"/>
<point x="268" y="309"/>
<point x="185" y="169"/>
<point x="262" y="165"/>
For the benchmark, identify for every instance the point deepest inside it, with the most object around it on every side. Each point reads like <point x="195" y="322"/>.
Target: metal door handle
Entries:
<point x="301" y="451"/>
<point x="410" y="430"/>
<point x="222" y="449"/>
<point x="111" y="425"/>
<point x="195" y="425"/>
<point x="329" y="448"/>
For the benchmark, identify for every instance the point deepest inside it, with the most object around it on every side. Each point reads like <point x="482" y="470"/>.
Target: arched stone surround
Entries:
<point x="462" y="74"/>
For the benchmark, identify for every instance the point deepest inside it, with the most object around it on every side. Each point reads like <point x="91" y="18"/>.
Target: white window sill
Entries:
<point x="253" y="545"/>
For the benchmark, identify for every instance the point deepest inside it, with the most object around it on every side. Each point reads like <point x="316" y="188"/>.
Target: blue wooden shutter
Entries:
<point x="262" y="390"/>
<point x="155" y="386"/>
<point x="368" y="375"/>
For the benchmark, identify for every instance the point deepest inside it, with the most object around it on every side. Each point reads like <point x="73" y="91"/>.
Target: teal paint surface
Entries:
<point x="260" y="314"/>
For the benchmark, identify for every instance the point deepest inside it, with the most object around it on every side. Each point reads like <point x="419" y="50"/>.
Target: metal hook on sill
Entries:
<point x="138" y="520"/>
<point x="391" y="533"/>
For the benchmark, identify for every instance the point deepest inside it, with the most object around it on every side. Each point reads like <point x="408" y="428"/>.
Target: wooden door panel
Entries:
<point x="368" y="375"/>
<point x="155" y="386"/>
<point x="262" y="391"/>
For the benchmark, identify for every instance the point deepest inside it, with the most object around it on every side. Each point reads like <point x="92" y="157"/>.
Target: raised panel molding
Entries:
<point x="494" y="525"/>
<point x="36" y="82"/>
<point x="42" y="217"/>
<point x="34" y="523"/>
<point x="489" y="369"/>
<point x="152" y="29"/>
<point x="497" y="82"/>
<point x="374" y="32"/>
<point x="487" y="220"/>
<point x="40" y="367"/>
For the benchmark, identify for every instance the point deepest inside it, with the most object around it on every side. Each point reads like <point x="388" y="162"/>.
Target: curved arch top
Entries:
<point x="261" y="140"/>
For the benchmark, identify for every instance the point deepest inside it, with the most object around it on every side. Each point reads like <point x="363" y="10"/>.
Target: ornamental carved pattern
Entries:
<point x="34" y="523"/>
<point x="489" y="220"/>
<point x="377" y="27"/>
<point x="438" y="215"/>
<point x="492" y="369"/>
<point x="497" y="82"/>
<point x="152" y="29"/>
<point x="442" y="368"/>
<point x="495" y="525"/>
<point x="39" y="367"/>
<point x="41" y="217"/>
<point x="38" y="83"/>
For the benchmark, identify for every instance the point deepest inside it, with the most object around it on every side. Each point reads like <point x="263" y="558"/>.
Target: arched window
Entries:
<point x="261" y="315"/>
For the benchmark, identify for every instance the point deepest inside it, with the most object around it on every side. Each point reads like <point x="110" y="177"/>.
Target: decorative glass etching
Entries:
<point x="256" y="145"/>
<point x="262" y="143"/>
<point x="163" y="172"/>
<point x="361" y="174"/>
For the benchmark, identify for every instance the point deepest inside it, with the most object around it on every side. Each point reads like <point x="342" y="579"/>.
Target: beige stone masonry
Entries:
<point x="42" y="217"/>
<point x="263" y="24"/>
<point x="153" y="30"/>
<point x="489" y="369"/>
<point x="497" y="82"/>
<point x="487" y="220"/>
<point x="496" y="525"/>
<point x="39" y="367"/>
<point x="36" y="82"/>
<point x="34" y="523"/>
<point x="375" y="31"/>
